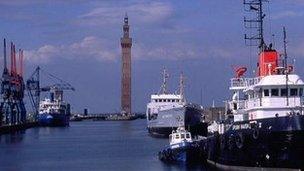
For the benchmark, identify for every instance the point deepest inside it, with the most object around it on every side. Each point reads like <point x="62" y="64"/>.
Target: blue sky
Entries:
<point x="78" y="40"/>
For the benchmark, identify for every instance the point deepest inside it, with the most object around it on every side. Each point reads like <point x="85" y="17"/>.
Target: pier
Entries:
<point x="7" y="129"/>
<point x="107" y="117"/>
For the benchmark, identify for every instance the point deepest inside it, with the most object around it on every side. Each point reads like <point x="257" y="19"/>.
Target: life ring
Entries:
<point x="255" y="133"/>
<point x="239" y="140"/>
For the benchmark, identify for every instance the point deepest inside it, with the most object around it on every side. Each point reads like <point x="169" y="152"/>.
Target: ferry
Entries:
<point x="264" y="125"/>
<point x="167" y="111"/>
<point x="54" y="111"/>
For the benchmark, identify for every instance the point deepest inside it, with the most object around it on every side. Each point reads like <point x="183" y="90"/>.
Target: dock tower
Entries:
<point x="126" y="43"/>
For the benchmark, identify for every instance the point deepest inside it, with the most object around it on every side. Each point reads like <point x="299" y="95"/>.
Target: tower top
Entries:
<point x="126" y="19"/>
<point x="126" y="26"/>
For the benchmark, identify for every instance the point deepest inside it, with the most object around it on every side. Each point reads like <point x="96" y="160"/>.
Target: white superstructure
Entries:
<point x="179" y="137"/>
<point x="266" y="97"/>
<point x="164" y="100"/>
<point x="55" y="106"/>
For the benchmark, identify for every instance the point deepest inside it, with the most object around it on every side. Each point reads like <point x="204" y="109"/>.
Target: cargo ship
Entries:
<point x="264" y="123"/>
<point x="168" y="111"/>
<point x="53" y="111"/>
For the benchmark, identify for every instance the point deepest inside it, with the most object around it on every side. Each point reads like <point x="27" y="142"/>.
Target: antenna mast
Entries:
<point x="4" y="54"/>
<point x="255" y="23"/>
<point x="285" y="64"/>
<point x="163" y="89"/>
<point x="182" y="86"/>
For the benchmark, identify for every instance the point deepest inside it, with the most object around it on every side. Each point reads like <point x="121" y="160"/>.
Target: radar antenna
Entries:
<point x="255" y="23"/>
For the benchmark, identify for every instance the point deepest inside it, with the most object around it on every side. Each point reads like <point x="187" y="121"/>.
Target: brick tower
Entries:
<point x="126" y="43"/>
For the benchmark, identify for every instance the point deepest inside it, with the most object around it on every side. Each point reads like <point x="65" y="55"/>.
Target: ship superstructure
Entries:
<point x="168" y="111"/>
<point x="53" y="111"/>
<point x="264" y="124"/>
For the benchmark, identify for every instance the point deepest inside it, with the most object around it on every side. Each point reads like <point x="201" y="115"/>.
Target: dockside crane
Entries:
<point x="34" y="89"/>
<point x="12" y="108"/>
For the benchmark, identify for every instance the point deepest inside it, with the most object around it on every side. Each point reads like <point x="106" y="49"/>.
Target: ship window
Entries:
<point x="274" y="92"/>
<point x="266" y="92"/>
<point x="177" y="136"/>
<point x="160" y="100"/>
<point x="156" y="100"/>
<point x="293" y="92"/>
<point x="187" y="135"/>
<point x="283" y="92"/>
<point x="301" y="92"/>
<point x="173" y="100"/>
<point x="165" y="100"/>
<point x="182" y="136"/>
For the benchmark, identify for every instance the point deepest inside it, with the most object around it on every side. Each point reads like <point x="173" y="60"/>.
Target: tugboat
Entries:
<point x="167" y="111"/>
<point x="264" y="125"/>
<point x="54" y="111"/>
<point x="182" y="148"/>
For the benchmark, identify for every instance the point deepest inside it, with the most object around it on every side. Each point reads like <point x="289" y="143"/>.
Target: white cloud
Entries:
<point x="41" y="55"/>
<point x="89" y="47"/>
<point x="141" y="12"/>
<point x="175" y="51"/>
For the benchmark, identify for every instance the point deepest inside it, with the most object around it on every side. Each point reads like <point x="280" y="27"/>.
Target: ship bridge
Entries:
<point x="243" y="83"/>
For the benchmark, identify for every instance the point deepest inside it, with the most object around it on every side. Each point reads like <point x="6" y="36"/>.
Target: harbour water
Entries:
<point x="86" y="145"/>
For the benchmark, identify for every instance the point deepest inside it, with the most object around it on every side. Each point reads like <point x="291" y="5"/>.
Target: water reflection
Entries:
<point x="12" y="138"/>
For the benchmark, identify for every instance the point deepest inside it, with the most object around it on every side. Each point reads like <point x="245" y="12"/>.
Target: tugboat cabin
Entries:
<point x="179" y="136"/>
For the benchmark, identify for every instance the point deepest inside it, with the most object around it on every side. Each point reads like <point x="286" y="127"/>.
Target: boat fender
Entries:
<point x="230" y="142"/>
<point x="239" y="140"/>
<point x="222" y="142"/>
<point x="255" y="133"/>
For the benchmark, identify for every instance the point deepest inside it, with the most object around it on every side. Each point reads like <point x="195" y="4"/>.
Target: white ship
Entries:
<point x="167" y="111"/>
<point x="54" y="111"/>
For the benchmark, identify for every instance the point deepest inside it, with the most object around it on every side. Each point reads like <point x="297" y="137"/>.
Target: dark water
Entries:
<point x="85" y="145"/>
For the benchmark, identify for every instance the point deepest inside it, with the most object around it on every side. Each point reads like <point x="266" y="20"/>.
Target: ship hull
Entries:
<point x="168" y="120"/>
<point x="268" y="143"/>
<point x="188" y="153"/>
<point x="51" y="119"/>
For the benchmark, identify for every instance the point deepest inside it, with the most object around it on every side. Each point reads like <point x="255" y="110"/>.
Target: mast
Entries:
<point x="255" y="23"/>
<point x="4" y="54"/>
<point x="285" y="64"/>
<point x="163" y="89"/>
<point x="182" y="87"/>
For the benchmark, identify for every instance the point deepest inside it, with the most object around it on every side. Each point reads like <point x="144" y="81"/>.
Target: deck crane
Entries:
<point x="34" y="88"/>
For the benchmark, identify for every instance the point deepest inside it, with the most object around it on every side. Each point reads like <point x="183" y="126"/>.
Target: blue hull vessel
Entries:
<point x="53" y="119"/>
<point x="188" y="153"/>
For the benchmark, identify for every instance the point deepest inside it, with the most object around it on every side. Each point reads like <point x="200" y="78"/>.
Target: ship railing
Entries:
<point x="240" y="104"/>
<point x="241" y="83"/>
